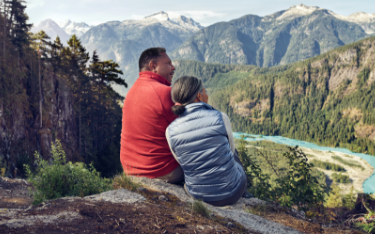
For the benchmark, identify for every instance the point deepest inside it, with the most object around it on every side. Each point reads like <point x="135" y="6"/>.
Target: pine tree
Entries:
<point x="40" y="44"/>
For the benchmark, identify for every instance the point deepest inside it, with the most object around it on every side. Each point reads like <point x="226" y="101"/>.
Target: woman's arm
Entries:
<point x="228" y="127"/>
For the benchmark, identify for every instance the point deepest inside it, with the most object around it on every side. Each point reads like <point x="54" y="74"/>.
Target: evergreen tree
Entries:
<point x="40" y="44"/>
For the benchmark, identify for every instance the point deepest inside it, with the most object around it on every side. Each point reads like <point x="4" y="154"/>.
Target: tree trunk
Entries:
<point x="40" y="95"/>
<point x="4" y="30"/>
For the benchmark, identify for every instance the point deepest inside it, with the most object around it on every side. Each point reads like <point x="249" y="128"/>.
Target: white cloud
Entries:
<point x="34" y="3"/>
<point x="196" y="15"/>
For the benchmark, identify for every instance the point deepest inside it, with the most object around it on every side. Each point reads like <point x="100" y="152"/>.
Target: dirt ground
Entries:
<point x="166" y="215"/>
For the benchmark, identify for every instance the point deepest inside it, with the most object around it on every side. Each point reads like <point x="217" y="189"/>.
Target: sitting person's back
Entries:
<point x="199" y="139"/>
<point x="146" y="115"/>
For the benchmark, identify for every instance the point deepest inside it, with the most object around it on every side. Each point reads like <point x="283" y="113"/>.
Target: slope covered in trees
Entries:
<point x="50" y="92"/>
<point x="328" y="99"/>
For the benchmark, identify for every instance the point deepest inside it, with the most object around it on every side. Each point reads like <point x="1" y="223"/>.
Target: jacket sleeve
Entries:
<point x="228" y="127"/>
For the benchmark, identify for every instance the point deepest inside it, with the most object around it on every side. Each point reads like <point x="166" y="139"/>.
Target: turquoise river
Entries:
<point x="368" y="185"/>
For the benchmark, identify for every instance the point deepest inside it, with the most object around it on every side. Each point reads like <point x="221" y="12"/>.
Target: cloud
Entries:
<point x="196" y="15"/>
<point x="34" y="3"/>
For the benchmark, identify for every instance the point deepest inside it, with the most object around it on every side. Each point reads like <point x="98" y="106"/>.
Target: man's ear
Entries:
<point x="152" y="66"/>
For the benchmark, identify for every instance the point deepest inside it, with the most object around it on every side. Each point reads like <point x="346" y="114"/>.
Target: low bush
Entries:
<point x="62" y="178"/>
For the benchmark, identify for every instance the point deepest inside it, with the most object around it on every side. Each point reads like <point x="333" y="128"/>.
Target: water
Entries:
<point x="368" y="185"/>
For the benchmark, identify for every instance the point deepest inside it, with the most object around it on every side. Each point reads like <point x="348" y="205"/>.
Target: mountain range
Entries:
<point x="284" y="37"/>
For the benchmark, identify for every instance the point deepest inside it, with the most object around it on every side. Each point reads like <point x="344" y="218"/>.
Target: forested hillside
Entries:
<point x="328" y="99"/>
<point x="50" y="92"/>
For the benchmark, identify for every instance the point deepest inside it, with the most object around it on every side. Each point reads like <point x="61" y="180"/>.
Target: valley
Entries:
<point x="358" y="167"/>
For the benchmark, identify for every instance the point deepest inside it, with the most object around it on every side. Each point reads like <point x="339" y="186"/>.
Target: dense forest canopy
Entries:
<point x="50" y="92"/>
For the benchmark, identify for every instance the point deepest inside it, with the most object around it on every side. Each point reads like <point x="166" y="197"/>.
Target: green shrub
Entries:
<point x="327" y="165"/>
<point x="62" y="178"/>
<point x="295" y="184"/>
<point x="334" y="198"/>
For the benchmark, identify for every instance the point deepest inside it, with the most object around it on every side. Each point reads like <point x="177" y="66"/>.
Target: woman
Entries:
<point x="201" y="140"/>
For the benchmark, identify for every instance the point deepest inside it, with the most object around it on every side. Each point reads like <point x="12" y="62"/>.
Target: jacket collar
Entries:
<point x="196" y="106"/>
<point x="146" y="75"/>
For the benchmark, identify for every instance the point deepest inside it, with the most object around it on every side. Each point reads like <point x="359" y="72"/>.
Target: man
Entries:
<point x="146" y="115"/>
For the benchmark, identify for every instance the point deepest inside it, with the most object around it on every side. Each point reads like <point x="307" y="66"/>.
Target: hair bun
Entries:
<point x="179" y="109"/>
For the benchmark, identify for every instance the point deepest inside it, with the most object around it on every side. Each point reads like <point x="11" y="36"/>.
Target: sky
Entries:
<point x="206" y="12"/>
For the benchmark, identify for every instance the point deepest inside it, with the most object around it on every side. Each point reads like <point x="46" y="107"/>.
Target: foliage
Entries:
<point x="350" y="199"/>
<point x="367" y="222"/>
<point x="334" y="198"/>
<point x="341" y="178"/>
<point x="62" y="179"/>
<point x="327" y="165"/>
<point x="294" y="185"/>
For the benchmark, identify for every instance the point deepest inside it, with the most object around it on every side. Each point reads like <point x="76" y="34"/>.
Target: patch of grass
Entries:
<point x="124" y="181"/>
<point x="350" y="163"/>
<point x="261" y="210"/>
<point x="200" y="208"/>
<point x="327" y="165"/>
<point x="62" y="178"/>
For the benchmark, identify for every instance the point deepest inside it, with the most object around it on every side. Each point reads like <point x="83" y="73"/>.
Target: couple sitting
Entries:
<point x="172" y="134"/>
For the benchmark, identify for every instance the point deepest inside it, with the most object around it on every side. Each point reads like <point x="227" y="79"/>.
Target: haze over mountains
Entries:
<point x="284" y="37"/>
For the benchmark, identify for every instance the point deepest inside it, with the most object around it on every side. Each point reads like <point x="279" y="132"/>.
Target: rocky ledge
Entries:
<point x="155" y="207"/>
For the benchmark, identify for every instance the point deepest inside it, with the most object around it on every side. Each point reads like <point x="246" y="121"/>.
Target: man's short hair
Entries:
<point x="149" y="55"/>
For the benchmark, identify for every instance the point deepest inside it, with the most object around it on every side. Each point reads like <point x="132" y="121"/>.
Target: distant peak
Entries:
<point x="160" y="16"/>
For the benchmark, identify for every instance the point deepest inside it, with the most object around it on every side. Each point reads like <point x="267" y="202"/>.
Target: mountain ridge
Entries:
<point x="283" y="37"/>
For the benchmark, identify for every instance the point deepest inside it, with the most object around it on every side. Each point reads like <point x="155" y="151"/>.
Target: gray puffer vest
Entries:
<point x="198" y="139"/>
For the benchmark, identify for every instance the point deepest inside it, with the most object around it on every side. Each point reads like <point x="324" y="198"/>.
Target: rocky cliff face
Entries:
<point x="20" y="131"/>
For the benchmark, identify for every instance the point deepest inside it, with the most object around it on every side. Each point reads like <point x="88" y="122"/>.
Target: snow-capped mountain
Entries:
<point x="52" y="29"/>
<point x="361" y="18"/>
<point x="74" y="28"/>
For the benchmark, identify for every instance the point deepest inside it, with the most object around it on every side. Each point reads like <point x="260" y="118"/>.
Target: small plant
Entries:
<point x="62" y="178"/>
<point x="367" y="222"/>
<point x="3" y="169"/>
<point x="124" y="181"/>
<point x="199" y="208"/>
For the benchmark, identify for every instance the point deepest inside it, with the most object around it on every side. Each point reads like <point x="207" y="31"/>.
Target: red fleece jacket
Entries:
<point x="145" y="117"/>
